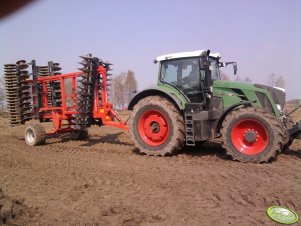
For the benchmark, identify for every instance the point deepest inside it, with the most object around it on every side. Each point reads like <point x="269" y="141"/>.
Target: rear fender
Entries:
<point x="156" y="91"/>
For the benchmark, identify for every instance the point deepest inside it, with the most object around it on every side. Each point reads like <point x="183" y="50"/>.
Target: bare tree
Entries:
<point x="224" y="76"/>
<point x="2" y="94"/>
<point x="123" y="86"/>
<point x="274" y="80"/>
<point x="237" y="79"/>
<point x="118" y="91"/>
<point x="280" y="82"/>
<point x="130" y="86"/>
<point x="247" y="79"/>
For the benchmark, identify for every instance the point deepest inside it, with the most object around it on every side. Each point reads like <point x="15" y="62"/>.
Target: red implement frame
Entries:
<point x="62" y="116"/>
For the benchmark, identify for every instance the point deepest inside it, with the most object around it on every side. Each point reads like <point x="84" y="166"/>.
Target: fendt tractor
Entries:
<point x="189" y="105"/>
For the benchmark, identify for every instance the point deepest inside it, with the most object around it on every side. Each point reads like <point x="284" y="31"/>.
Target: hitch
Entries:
<point x="295" y="131"/>
<point x="295" y="109"/>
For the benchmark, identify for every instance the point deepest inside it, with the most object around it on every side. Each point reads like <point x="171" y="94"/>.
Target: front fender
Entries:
<point x="228" y="110"/>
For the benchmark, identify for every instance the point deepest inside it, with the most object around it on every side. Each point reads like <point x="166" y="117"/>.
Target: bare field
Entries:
<point x="102" y="181"/>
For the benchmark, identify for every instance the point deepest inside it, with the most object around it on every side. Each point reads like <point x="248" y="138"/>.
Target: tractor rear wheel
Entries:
<point x="251" y="135"/>
<point x="157" y="127"/>
<point x="35" y="135"/>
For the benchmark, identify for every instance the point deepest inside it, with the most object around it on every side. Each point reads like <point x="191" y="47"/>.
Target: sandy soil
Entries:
<point x="102" y="181"/>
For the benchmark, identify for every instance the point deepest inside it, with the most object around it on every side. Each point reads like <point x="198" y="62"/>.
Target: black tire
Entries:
<point x="169" y="118"/>
<point x="288" y="125"/>
<point x="35" y="135"/>
<point x="253" y="131"/>
<point x="81" y="134"/>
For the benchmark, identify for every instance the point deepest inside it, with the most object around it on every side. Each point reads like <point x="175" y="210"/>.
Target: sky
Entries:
<point x="262" y="36"/>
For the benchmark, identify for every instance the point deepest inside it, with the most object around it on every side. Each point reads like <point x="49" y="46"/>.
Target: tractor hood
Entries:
<point x="233" y="85"/>
<point x="269" y="97"/>
<point x="277" y="93"/>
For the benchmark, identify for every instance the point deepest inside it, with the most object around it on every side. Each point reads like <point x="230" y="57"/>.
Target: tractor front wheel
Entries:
<point x="35" y="135"/>
<point x="157" y="127"/>
<point x="287" y="139"/>
<point x="251" y="135"/>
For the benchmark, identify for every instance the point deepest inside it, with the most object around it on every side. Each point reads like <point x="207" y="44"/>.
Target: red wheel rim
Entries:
<point x="249" y="136"/>
<point x="153" y="128"/>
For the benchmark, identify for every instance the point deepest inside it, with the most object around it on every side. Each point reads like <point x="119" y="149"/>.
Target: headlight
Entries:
<point x="279" y="107"/>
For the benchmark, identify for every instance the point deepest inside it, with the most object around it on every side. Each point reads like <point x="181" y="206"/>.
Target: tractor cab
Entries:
<point x="191" y="72"/>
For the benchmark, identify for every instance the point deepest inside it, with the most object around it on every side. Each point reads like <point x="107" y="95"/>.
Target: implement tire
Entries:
<point x="157" y="127"/>
<point x="35" y="135"/>
<point x="81" y="134"/>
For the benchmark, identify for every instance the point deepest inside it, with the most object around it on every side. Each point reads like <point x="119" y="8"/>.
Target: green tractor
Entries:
<point x="191" y="104"/>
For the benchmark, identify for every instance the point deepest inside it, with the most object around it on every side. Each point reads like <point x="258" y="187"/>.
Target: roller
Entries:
<point x="12" y="90"/>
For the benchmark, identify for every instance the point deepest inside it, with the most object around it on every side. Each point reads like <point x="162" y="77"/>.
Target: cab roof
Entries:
<point x="186" y="54"/>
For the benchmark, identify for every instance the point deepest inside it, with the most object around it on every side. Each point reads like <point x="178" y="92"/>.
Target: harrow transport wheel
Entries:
<point x="157" y="127"/>
<point x="35" y="135"/>
<point x="251" y="135"/>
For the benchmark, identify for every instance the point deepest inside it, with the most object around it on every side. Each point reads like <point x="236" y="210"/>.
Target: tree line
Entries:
<point x="2" y="95"/>
<point x="272" y="80"/>
<point x="124" y="86"/>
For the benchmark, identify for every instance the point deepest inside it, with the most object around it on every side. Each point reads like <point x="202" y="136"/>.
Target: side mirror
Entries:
<point x="235" y="68"/>
<point x="225" y="64"/>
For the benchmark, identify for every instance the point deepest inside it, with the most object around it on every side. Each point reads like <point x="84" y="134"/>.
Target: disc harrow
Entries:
<point x="55" y="86"/>
<point x="85" y="87"/>
<point x="24" y="91"/>
<point x="106" y="85"/>
<point x="39" y="92"/>
<point x="43" y="71"/>
<point x="11" y="85"/>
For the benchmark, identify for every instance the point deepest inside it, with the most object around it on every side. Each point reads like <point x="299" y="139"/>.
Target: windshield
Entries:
<point x="182" y="73"/>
